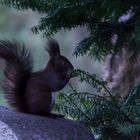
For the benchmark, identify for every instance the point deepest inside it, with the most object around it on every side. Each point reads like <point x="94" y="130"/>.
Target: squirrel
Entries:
<point x="28" y="91"/>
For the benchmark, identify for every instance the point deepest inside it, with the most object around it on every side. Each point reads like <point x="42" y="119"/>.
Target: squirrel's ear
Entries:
<point x="53" y="48"/>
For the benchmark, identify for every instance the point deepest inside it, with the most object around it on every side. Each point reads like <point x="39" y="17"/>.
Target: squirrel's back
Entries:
<point x="18" y="68"/>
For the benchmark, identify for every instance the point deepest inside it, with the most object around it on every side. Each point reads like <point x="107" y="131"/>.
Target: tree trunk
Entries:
<point x="120" y="73"/>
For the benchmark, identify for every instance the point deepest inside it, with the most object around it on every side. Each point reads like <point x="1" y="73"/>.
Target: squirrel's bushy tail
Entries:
<point x="17" y="72"/>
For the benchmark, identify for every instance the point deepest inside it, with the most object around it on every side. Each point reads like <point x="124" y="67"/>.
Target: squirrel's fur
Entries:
<point x="27" y="91"/>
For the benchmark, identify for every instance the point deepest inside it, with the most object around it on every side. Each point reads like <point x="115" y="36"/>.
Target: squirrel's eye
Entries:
<point x="64" y="63"/>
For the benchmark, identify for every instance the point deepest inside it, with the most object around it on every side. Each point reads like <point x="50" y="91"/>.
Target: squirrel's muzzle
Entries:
<point x="70" y="71"/>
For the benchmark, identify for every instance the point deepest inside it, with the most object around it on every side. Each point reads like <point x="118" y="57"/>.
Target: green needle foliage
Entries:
<point x="104" y="19"/>
<point x="107" y="117"/>
<point x="112" y="24"/>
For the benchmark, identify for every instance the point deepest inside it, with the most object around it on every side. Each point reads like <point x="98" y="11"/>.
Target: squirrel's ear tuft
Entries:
<point x="53" y="48"/>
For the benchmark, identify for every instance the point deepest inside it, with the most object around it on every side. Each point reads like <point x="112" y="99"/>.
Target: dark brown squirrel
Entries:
<point x="28" y="91"/>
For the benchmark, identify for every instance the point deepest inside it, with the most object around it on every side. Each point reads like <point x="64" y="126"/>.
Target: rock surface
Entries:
<point x="19" y="126"/>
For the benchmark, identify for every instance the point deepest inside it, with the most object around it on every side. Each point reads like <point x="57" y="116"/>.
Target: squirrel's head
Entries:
<point x="60" y="63"/>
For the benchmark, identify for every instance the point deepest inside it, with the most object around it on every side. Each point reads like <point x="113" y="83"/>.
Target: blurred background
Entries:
<point x="17" y="25"/>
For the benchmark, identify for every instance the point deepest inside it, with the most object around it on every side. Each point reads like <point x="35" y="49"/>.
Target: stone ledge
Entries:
<point x="20" y="126"/>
